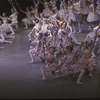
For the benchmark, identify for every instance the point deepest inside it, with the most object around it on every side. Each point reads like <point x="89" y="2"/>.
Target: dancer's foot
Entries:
<point x="91" y="75"/>
<point x="79" y="32"/>
<point x="32" y="62"/>
<point x="58" y="71"/>
<point x="9" y="42"/>
<point x="43" y="79"/>
<point x="79" y="83"/>
<point x="12" y="33"/>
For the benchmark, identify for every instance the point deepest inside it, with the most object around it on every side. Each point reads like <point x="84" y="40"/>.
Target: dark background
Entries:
<point x="5" y="6"/>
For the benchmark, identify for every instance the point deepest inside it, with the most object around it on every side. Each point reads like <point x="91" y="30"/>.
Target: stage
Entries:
<point x="21" y="80"/>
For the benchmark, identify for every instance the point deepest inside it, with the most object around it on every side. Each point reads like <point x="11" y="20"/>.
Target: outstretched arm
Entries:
<point x="65" y="3"/>
<point x="86" y="38"/>
<point x="34" y="3"/>
<point x="96" y="29"/>
<point x="15" y="9"/>
<point x="55" y="19"/>
<point x="42" y="2"/>
<point x="22" y="10"/>
<point x="37" y="17"/>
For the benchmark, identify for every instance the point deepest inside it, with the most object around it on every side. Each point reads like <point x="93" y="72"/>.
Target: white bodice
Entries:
<point x="70" y="9"/>
<point x="14" y="17"/>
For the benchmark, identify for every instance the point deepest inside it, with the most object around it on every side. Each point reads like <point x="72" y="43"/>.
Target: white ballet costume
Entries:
<point x="28" y="18"/>
<point x="32" y="16"/>
<point x="92" y="17"/>
<point x="46" y="11"/>
<point x="71" y="15"/>
<point x="14" y="17"/>
<point x="7" y="27"/>
<point x="71" y="35"/>
<point x="84" y="8"/>
<point x="62" y="11"/>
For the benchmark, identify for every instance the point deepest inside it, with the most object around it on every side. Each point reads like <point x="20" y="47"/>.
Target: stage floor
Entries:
<point x="21" y="80"/>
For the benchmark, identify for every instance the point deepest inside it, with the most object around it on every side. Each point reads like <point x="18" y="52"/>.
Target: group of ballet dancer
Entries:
<point x="8" y="25"/>
<point x="53" y="36"/>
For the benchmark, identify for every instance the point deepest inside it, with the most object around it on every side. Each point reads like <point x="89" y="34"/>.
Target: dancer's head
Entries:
<point x="27" y="9"/>
<point x="52" y="50"/>
<point x="69" y="3"/>
<point x="12" y="10"/>
<point x="90" y="28"/>
<point x="4" y="14"/>
<point x="31" y="7"/>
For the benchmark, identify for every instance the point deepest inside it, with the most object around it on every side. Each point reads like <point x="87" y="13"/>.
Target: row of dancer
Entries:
<point x="51" y="37"/>
<point x="79" y="11"/>
<point x="8" y="25"/>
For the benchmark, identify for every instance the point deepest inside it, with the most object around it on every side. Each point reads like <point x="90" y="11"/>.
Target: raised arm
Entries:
<point x="15" y="9"/>
<point x="64" y="1"/>
<point x="55" y="19"/>
<point x="92" y="6"/>
<point x="41" y="2"/>
<point x="86" y="38"/>
<point x="37" y="17"/>
<point x="96" y="29"/>
<point x="22" y="10"/>
<point x="34" y="3"/>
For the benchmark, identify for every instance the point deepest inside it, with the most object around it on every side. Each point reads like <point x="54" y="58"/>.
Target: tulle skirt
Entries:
<point x="51" y="67"/>
<point x="72" y="69"/>
<point x="92" y="17"/>
<point x="27" y="20"/>
<point x="6" y="27"/>
<point x="72" y="17"/>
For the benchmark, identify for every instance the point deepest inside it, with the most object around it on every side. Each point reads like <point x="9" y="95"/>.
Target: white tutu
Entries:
<point x="72" y="17"/>
<point x="62" y="12"/>
<point x="92" y="17"/>
<point x="27" y="20"/>
<point x="6" y="28"/>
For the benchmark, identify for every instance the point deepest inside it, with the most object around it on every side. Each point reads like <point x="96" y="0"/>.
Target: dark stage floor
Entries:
<point x="21" y="80"/>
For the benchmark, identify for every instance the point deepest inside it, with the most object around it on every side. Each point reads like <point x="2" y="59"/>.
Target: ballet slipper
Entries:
<point x="32" y="62"/>
<point x="58" y="71"/>
<point x="10" y="42"/>
<point x="91" y="75"/>
<point x="25" y="27"/>
<point x="12" y="33"/>
<point x="79" y="32"/>
<point x="43" y="79"/>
